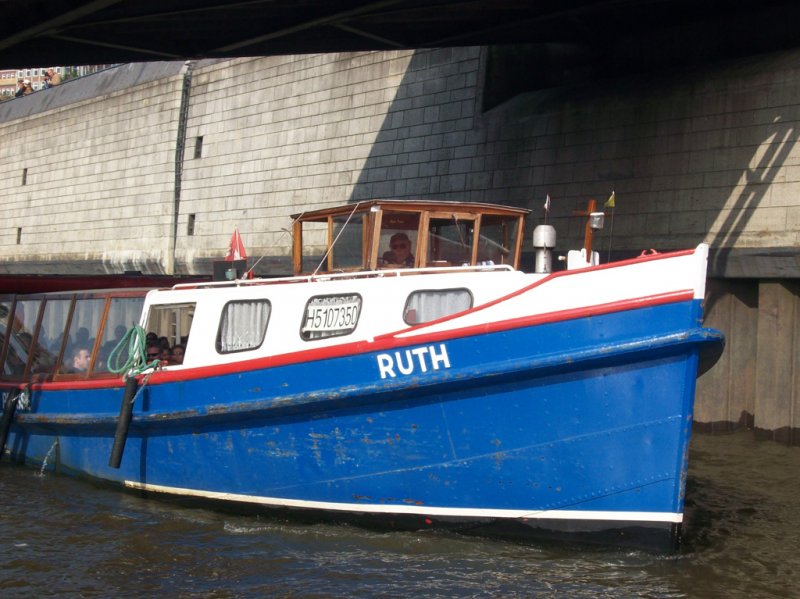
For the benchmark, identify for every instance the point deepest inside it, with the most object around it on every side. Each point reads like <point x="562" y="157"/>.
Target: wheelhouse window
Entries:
<point x="314" y="236"/>
<point x="398" y="239"/>
<point x="427" y="305"/>
<point x="498" y="239"/>
<point x="243" y="325"/>
<point x="347" y="242"/>
<point x="330" y="316"/>
<point x="396" y="234"/>
<point x="450" y="241"/>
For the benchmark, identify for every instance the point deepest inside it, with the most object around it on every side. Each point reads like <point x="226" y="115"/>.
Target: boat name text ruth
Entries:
<point x="414" y="359"/>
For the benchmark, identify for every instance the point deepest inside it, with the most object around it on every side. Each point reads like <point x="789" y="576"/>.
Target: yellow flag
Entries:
<point x="610" y="201"/>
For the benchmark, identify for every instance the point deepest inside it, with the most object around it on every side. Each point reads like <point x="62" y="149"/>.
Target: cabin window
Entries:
<point x="22" y="326"/>
<point x="243" y="326"/>
<point x="51" y="336"/>
<point x="168" y="327"/>
<point x="426" y="305"/>
<point x="86" y="319"/>
<point x="330" y="316"/>
<point x="12" y="329"/>
<point x="123" y="313"/>
<point x="450" y="242"/>
<point x="5" y="313"/>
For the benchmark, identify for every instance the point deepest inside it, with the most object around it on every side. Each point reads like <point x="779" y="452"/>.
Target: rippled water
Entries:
<point x="68" y="538"/>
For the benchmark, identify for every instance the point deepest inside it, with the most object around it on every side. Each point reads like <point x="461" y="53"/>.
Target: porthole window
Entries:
<point x="330" y="316"/>
<point x="243" y="326"/>
<point x="426" y="305"/>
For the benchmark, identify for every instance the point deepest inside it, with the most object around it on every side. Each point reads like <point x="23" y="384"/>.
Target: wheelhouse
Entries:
<point x="439" y="234"/>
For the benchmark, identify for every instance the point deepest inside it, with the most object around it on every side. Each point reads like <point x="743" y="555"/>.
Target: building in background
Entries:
<point x="8" y="77"/>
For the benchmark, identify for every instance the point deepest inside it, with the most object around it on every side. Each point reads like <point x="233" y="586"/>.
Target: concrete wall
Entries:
<point x="91" y="181"/>
<point x="280" y="135"/>
<point x="703" y="156"/>
<point x="706" y="155"/>
<point x="693" y="156"/>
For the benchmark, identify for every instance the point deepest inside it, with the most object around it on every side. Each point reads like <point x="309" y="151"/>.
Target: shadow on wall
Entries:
<point x="760" y="174"/>
<point x="435" y="143"/>
<point x="695" y="155"/>
<point x="426" y="146"/>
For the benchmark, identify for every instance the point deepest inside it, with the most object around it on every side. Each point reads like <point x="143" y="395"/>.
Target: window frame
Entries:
<point x="448" y="290"/>
<point x="223" y="312"/>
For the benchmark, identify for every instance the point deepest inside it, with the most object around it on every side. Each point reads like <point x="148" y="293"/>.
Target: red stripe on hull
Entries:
<point x="382" y="343"/>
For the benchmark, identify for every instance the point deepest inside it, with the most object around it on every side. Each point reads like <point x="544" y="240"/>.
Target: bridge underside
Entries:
<point x="565" y="40"/>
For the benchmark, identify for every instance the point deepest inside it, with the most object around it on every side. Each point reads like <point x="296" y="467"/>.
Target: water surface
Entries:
<point x="67" y="538"/>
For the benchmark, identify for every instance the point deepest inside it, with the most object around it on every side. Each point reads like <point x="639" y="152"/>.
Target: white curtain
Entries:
<point x="244" y="325"/>
<point x="424" y="306"/>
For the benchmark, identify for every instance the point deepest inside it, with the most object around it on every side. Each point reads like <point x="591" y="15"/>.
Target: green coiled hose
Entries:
<point x="132" y="349"/>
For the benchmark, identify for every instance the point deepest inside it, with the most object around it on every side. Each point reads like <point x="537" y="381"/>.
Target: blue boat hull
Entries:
<point x="570" y="429"/>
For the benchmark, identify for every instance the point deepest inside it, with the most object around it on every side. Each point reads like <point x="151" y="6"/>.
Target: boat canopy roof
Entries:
<point x="379" y="234"/>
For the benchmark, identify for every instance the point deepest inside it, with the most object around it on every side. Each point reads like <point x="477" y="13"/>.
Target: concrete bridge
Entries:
<point x="579" y="39"/>
<point x="147" y="167"/>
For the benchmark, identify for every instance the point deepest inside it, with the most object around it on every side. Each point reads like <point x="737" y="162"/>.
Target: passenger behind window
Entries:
<point x="176" y="357"/>
<point x="166" y="351"/>
<point x="108" y="346"/>
<point x="399" y="254"/>
<point x="82" y="338"/>
<point x="81" y="356"/>
<point x="154" y="351"/>
<point x="55" y="345"/>
<point x="43" y="361"/>
<point x="14" y="364"/>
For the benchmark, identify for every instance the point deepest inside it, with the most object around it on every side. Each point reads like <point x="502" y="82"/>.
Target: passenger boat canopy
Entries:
<point x="64" y="336"/>
<point x="439" y="234"/>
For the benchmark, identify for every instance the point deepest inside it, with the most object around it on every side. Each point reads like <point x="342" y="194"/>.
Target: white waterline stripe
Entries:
<point x="415" y="509"/>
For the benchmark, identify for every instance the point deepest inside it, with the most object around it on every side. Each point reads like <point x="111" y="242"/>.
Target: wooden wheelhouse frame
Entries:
<point x="369" y="216"/>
